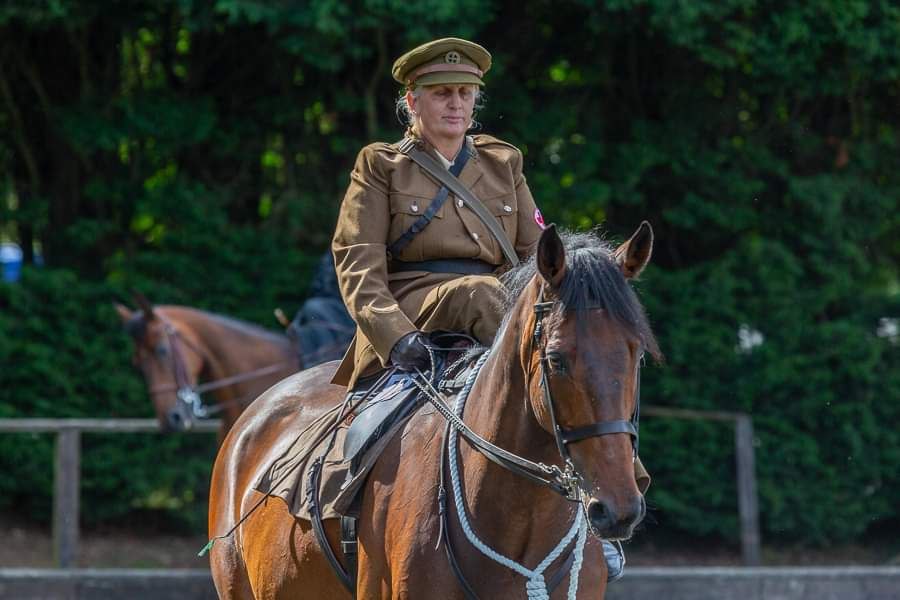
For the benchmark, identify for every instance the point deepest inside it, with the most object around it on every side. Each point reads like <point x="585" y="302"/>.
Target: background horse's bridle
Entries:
<point x="187" y="393"/>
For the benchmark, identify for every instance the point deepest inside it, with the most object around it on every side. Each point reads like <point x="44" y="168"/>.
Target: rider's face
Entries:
<point x="444" y="111"/>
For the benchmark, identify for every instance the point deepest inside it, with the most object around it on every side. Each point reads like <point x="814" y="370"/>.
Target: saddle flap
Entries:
<point x="394" y="402"/>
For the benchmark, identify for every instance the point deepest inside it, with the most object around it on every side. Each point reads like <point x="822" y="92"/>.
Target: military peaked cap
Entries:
<point x="448" y="60"/>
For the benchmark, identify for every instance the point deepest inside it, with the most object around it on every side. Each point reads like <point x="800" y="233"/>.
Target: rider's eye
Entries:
<point x="162" y="351"/>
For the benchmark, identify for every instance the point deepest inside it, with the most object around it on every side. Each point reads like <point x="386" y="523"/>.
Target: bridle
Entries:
<point x="565" y="436"/>
<point x="188" y="394"/>
<point x="565" y="480"/>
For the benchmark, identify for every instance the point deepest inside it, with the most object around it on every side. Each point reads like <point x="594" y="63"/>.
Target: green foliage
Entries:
<point x="64" y="355"/>
<point x="198" y="149"/>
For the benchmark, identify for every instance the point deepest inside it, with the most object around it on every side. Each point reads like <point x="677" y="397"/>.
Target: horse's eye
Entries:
<point x="556" y="362"/>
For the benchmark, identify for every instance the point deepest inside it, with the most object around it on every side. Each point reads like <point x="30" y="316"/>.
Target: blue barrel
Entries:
<point x="11" y="261"/>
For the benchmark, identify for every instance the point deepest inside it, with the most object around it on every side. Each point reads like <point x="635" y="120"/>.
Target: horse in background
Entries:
<point x="176" y="347"/>
<point x="559" y="387"/>
<point x="184" y="352"/>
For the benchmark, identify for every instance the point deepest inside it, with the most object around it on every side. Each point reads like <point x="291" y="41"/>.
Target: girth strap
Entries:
<point x="319" y="530"/>
<point x="349" y="548"/>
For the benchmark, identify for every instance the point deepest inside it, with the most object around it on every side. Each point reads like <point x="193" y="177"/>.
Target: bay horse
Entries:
<point x="183" y="352"/>
<point x="581" y="351"/>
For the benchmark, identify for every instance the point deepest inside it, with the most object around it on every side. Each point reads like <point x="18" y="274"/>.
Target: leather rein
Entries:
<point x="189" y="394"/>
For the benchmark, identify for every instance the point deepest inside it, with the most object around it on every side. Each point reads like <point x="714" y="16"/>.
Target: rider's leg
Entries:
<point x="472" y="304"/>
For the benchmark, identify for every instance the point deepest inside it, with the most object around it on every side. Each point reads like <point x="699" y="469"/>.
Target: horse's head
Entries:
<point x="170" y="372"/>
<point x="582" y="353"/>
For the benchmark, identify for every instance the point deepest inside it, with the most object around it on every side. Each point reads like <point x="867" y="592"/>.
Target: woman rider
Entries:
<point x="399" y="285"/>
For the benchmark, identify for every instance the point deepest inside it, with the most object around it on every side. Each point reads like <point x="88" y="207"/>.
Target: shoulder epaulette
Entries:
<point x="481" y="140"/>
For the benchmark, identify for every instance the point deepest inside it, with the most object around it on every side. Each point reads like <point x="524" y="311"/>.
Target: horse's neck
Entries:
<point x="498" y="409"/>
<point x="228" y="351"/>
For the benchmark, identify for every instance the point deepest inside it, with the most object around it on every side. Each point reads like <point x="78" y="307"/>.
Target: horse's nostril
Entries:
<point x="174" y="419"/>
<point x="602" y="518"/>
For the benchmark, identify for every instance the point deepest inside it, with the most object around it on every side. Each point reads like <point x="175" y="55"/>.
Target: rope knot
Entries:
<point x="536" y="588"/>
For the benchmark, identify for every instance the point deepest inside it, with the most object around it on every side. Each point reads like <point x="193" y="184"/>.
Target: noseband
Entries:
<point x="570" y="436"/>
<point x="186" y="392"/>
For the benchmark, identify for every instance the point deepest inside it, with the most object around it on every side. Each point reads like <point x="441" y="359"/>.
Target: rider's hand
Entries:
<point x="410" y="353"/>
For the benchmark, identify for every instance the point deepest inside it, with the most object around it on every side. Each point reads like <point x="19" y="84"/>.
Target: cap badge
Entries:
<point x="452" y="57"/>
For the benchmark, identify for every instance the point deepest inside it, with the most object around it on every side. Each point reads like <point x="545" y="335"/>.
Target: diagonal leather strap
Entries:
<point x="408" y="147"/>
<point x="436" y="204"/>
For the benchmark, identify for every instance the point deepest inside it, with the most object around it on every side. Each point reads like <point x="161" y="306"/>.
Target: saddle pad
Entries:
<point x="288" y="476"/>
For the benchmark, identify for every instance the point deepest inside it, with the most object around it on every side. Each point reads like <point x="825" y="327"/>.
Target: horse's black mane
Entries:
<point x="593" y="280"/>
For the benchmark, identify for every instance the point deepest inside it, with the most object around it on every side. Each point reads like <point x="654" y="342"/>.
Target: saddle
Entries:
<point x="372" y="427"/>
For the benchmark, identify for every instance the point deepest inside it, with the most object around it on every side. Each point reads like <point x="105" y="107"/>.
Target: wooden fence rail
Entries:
<point x="67" y="470"/>
<point x="67" y="475"/>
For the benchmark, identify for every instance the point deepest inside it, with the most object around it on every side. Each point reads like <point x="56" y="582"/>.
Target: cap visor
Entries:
<point x="448" y="77"/>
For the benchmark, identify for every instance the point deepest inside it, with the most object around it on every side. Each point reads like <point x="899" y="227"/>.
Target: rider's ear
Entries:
<point x="123" y="311"/>
<point x="633" y="255"/>
<point x="551" y="257"/>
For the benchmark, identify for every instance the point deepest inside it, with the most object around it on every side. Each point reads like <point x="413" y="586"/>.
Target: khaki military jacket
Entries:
<point x="388" y="192"/>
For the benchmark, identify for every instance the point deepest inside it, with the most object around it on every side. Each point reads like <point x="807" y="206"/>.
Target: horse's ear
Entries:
<point x="124" y="313"/>
<point x="144" y="304"/>
<point x="551" y="257"/>
<point x="633" y="255"/>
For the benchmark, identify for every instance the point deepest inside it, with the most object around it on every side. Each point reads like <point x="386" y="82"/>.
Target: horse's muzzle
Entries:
<point x="177" y="419"/>
<point x="609" y="524"/>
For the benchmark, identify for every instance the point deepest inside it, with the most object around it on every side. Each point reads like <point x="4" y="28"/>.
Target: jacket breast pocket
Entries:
<point x="506" y="210"/>
<point x="406" y="210"/>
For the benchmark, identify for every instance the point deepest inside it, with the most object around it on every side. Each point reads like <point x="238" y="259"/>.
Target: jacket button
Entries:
<point x="474" y="236"/>
<point x="414" y="208"/>
<point x="507" y="208"/>
<point x="459" y="203"/>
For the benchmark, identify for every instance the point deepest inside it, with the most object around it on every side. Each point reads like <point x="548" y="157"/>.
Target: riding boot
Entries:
<point x="613" y="553"/>
<point x="615" y="560"/>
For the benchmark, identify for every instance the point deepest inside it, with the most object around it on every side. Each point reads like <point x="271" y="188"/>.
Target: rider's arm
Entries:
<point x="360" y="253"/>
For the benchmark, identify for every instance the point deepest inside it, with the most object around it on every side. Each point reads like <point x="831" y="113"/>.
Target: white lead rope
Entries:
<point x="536" y="586"/>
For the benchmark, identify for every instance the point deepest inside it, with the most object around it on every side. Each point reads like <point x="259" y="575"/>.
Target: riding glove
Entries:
<point x="409" y="353"/>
